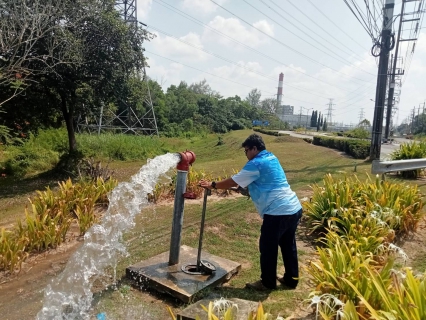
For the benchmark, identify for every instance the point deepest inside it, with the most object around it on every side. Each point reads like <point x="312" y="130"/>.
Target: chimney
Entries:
<point x="280" y="90"/>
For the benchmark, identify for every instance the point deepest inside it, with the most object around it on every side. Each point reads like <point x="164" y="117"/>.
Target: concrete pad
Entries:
<point x="156" y="273"/>
<point x="194" y="310"/>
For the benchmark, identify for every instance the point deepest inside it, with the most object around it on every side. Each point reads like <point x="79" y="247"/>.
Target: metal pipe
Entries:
<point x="203" y="217"/>
<point x="177" y="217"/>
<point x="187" y="158"/>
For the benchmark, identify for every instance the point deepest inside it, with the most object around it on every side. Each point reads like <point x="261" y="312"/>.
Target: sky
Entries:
<point x="319" y="45"/>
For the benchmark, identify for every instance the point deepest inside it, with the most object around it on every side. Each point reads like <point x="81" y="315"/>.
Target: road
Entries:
<point x="385" y="150"/>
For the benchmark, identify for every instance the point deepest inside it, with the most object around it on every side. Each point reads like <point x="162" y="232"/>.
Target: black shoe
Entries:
<point x="258" y="285"/>
<point x="283" y="283"/>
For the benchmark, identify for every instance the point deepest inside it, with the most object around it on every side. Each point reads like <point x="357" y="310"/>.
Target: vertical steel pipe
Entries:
<point x="187" y="158"/>
<point x="177" y="217"/>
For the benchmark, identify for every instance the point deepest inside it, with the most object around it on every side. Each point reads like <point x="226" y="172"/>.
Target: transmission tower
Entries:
<point x="128" y="121"/>
<point x="361" y="115"/>
<point x="330" y="112"/>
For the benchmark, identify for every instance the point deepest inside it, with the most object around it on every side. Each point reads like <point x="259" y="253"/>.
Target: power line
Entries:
<point x="319" y="26"/>
<point x="341" y="59"/>
<point x="189" y="17"/>
<point x="338" y="27"/>
<point x="215" y="75"/>
<point x="361" y="22"/>
<point x="232" y="62"/>
<point x="283" y="44"/>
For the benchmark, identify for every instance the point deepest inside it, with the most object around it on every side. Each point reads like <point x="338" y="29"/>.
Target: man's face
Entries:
<point x="250" y="152"/>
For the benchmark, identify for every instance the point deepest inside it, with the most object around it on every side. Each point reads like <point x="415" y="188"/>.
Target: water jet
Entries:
<point x="174" y="272"/>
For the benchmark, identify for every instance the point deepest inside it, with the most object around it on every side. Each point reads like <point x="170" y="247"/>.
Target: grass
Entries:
<point x="232" y="225"/>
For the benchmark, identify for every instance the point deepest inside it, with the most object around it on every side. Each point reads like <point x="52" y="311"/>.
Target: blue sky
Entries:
<point x="247" y="43"/>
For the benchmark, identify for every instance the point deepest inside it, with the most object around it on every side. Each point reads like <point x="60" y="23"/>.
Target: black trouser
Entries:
<point x="279" y="231"/>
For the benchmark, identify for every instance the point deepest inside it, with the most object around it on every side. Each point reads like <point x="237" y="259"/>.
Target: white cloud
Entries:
<point x="235" y="29"/>
<point x="165" y="74"/>
<point x="143" y="8"/>
<point x="201" y="6"/>
<point x="185" y="51"/>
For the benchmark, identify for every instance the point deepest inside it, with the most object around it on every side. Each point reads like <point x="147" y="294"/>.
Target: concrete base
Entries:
<point x="156" y="273"/>
<point x="194" y="310"/>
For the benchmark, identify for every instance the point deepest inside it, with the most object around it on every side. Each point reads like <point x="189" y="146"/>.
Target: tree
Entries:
<point x="324" y="126"/>
<point x="364" y="123"/>
<point x="318" y="121"/>
<point x="24" y="25"/>
<point x="253" y="98"/>
<point x="84" y="44"/>
<point x="203" y="87"/>
<point x="312" y="119"/>
<point x="269" y="105"/>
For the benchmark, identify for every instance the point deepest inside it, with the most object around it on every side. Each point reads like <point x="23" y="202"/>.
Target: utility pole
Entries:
<point x="382" y="77"/>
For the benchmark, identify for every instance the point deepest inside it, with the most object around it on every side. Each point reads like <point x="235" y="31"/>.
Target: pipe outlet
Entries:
<point x="186" y="159"/>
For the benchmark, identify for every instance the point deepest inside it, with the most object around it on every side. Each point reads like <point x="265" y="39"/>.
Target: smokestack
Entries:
<point x="280" y="90"/>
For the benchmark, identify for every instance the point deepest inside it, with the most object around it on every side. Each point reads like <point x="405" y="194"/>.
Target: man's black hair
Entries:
<point x="254" y="140"/>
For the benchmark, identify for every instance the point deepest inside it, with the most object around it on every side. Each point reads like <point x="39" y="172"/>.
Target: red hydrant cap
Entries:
<point x="186" y="159"/>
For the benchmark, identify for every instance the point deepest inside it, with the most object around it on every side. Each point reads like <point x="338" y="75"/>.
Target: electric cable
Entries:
<point x="215" y="75"/>
<point x="341" y="59"/>
<point x="287" y="46"/>
<point x="233" y="62"/>
<point x="189" y="17"/>
<point x="337" y="27"/>
<point x="313" y="21"/>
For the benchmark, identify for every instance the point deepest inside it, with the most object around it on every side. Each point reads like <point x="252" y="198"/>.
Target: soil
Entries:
<point x="21" y="294"/>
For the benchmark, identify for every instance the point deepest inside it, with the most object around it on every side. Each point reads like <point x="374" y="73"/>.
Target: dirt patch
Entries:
<point x="21" y="294"/>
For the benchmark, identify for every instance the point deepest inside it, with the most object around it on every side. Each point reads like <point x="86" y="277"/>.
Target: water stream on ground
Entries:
<point x="69" y="295"/>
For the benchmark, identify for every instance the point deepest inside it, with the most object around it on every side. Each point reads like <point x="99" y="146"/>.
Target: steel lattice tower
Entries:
<point x="127" y="121"/>
<point x="127" y="9"/>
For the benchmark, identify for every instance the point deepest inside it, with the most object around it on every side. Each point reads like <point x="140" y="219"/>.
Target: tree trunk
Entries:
<point x="68" y="116"/>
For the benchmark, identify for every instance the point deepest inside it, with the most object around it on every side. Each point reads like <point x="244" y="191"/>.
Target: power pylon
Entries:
<point x="128" y="121"/>
<point x="330" y="112"/>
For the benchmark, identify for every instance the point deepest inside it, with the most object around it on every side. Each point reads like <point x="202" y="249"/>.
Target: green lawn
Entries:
<point x="232" y="225"/>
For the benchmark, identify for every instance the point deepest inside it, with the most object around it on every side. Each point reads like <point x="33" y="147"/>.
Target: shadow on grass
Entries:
<point x="14" y="186"/>
<point x="65" y="168"/>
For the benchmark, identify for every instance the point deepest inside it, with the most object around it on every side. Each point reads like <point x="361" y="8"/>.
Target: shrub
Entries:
<point x="398" y="205"/>
<point x="359" y="149"/>
<point x="50" y="217"/>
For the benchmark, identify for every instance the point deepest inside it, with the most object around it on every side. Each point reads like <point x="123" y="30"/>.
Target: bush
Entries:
<point x="396" y="204"/>
<point x="359" y="149"/>
<point x="270" y="132"/>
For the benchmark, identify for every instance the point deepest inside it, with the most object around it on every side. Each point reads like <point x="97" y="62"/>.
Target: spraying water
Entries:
<point x="69" y="295"/>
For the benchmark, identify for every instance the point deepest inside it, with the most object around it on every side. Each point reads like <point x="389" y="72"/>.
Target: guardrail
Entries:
<point x="397" y="165"/>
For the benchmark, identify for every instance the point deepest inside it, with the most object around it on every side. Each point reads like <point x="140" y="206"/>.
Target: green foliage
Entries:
<point x="19" y="159"/>
<point x="270" y="132"/>
<point x="413" y="150"/>
<point x="359" y="149"/>
<point x="396" y="204"/>
<point x="120" y="146"/>
<point x="226" y="310"/>
<point x="355" y="262"/>
<point x="47" y="223"/>
<point x="357" y="133"/>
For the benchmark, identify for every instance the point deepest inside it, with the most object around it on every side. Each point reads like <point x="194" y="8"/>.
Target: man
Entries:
<point x="279" y="207"/>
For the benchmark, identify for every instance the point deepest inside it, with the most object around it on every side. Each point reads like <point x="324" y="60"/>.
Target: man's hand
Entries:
<point x="205" y="184"/>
